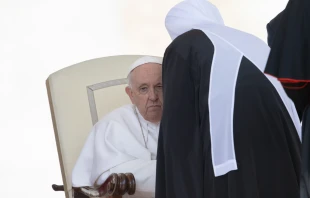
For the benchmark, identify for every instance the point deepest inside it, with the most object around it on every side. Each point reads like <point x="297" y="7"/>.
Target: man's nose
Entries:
<point x="153" y="95"/>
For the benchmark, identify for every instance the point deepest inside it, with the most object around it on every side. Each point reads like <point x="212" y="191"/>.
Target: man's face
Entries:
<point x="146" y="91"/>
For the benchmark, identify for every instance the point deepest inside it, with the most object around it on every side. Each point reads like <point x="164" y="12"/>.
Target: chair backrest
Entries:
<point x="79" y="95"/>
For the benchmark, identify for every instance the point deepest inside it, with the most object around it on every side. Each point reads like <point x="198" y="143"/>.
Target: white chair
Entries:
<point x="79" y="95"/>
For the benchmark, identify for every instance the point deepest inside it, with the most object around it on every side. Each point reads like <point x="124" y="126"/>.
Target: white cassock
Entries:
<point x="119" y="144"/>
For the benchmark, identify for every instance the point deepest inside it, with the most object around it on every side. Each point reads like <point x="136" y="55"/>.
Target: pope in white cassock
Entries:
<point x="125" y="140"/>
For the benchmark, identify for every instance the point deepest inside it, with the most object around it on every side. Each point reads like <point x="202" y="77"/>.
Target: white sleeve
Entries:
<point x="111" y="148"/>
<point x="100" y="153"/>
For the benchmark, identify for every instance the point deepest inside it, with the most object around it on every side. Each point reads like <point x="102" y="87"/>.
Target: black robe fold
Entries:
<point x="267" y="145"/>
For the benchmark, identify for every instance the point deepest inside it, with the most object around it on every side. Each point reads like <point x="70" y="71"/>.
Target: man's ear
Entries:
<point x="129" y="93"/>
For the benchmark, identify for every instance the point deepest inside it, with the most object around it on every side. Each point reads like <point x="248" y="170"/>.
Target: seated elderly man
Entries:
<point x="125" y="140"/>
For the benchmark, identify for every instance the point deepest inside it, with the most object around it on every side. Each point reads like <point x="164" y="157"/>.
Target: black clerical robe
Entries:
<point x="267" y="145"/>
<point x="289" y="59"/>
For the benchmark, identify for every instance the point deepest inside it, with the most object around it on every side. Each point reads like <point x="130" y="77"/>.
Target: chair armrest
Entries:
<point x="115" y="185"/>
<point x="58" y="187"/>
<point x="61" y="188"/>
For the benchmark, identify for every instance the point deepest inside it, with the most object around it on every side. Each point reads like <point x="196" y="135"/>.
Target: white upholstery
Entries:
<point x="79" y="95"/>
